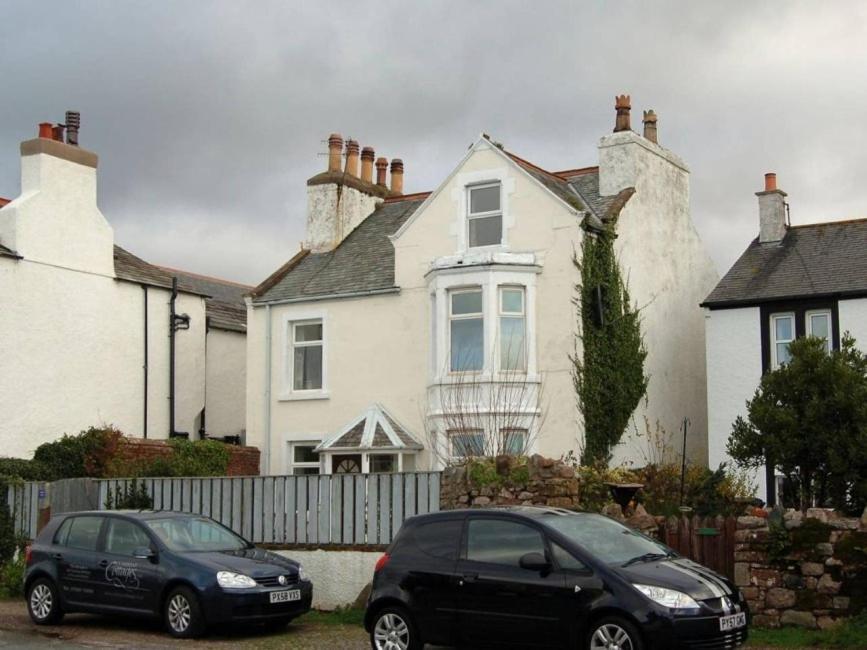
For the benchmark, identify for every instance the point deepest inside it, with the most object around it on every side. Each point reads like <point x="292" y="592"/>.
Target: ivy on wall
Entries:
<point x="608" y="372"/>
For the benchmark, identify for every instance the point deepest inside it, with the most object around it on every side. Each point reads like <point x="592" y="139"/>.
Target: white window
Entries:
<point x="513" y="441"/>
<point x="819" y="325"/>
<point x="782" y="334"/>
<point x="383" y="463"/>
<point x="484" y="215"/>
<point x="513" y="345"/>
<point x="302" y="457"/>
<point x="466" y="442"/>
<point x="306" y="337"/>
<point x="466" y="330"/>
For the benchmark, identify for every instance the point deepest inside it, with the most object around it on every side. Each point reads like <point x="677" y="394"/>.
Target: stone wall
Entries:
<point x="804" y="570"/>
<point x="541" y="482"/>
<point x="243" y="461"/>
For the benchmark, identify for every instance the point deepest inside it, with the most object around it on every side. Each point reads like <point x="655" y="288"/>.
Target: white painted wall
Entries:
<point x="338" y="576"/>
<point x="226" y="382"/>
<point x="333" y="212"/>
<point x="734" y="369"/>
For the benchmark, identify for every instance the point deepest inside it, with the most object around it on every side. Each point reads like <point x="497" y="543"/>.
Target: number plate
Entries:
<point x="732" y="622"/>
<point x="285" y="596"/>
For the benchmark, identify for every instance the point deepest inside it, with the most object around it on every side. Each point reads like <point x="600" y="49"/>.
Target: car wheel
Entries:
<point x="43" y="602"/>
<point x="393" y="629"/>
<point x="183" y="616"/>
<point x="614" y="633"/>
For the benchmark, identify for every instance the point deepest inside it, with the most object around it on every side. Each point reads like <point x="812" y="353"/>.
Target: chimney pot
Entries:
<point x="352" y="158"/>
<point x="381" y="167"/>
<point x="73" y="123"/>
<point x="46" y="130"/>
<point x="622" y="106"/>
<point x="397" y="176"/>
<point x="57" y="132"/>
<point x="650" y="126"/>
<point x="367" y="156"/>
<point x="335" y="148"/>
<point x="770" y="182"/>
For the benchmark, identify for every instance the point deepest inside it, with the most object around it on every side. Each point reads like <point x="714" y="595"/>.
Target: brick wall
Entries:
<point x="804" y="570"/>
<point x="243" y="461"/>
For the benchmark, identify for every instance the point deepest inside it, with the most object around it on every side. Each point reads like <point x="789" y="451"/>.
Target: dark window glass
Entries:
<point x="83" y="533"/>
<point x="439" y="538"/>
<point x="565" y="560"/>
<point x="496" y="541"/>
<point x="124" y="537"/>
<point x="62" y="532"/>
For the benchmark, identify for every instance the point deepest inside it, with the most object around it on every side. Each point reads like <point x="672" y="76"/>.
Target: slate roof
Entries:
<point x="375" y="429"/>
<point x="824" y="259"/>
<point x="586" y="184"/>
<point x="224" y="305"/>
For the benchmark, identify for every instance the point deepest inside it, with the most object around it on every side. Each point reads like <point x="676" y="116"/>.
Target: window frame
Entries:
<point x="100" y="534"/>
<point x="522" y="315"/>
<point x="514" y="430"/>
<point x="452" y="433"/>
<point x="292" y="465"/>
<point x="772" y="331"/>
<point x="480" y="315"/>
<point x="808" y="325"/>
<point x="295" y="344"/>
<point x="471" y="216"/>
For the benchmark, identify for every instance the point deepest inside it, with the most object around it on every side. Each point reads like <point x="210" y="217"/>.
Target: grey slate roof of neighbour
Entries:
<point x="364" y="261"/>
<point x="821" y="259"/>
<point x="587" y="187"/>
<point x="224" y="305"/>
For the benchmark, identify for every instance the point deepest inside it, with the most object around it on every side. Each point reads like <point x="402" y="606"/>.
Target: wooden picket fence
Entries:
<point x="340" y="509"/>
<point x="707" y="540"/>
<point x="23" y="501"/>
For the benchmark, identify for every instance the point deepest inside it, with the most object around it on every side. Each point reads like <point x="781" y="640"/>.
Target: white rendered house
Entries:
<point x="459" y="301"/>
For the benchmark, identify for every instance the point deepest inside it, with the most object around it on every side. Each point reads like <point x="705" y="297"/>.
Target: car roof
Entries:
<point x="532" y="512"/>
<point x="133" y="514"/>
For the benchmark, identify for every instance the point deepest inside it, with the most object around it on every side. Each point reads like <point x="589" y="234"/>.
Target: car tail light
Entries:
<point x="28" y="554"/>
<point x="380" y="563"/>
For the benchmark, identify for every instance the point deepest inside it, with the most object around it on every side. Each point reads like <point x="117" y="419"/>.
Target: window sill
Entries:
<point x="302" y="396"/>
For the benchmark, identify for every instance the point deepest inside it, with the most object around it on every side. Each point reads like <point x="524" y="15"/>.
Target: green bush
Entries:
<point x="20" y="468"/>
<point x="12" y="578"/>
<point x="9" y="541"/>
<point x="88" y="453"/>
<point x="199" y="458"/>
<point x="133" y="496"/>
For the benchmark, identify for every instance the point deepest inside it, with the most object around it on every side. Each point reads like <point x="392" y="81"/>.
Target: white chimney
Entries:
<point x="772" y="211"/>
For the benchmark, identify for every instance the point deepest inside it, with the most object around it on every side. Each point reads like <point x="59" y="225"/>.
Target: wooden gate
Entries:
<point x="707" y="540"/>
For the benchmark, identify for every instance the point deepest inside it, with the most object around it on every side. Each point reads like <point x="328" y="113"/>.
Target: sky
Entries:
<point x="209" y="116"/>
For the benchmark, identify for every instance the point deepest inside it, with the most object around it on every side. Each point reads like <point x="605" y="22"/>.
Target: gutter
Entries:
<point x="757" y="302"/>
<point x="329" y="296"/>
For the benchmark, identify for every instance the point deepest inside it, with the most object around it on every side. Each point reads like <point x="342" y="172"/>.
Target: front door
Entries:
<point x="126" y="581"/>
<point x="500" y="603"/>
<point x="75" y="552"/>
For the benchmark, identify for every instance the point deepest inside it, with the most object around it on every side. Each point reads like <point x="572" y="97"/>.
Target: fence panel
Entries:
<point x="707" y="540"/>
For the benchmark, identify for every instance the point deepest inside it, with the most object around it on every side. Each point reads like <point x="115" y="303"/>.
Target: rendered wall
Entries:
<point x="225" y="401"/>
<point x="338" y="576"/>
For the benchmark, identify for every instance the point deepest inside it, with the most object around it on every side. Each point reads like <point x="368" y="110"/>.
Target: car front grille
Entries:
<point x="719" y="642"/>
<point x="274" y="581"/>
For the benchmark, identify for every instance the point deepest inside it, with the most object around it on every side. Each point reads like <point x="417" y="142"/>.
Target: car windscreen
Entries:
<point x="195" y="534"/>
<point x="606" y="539"/>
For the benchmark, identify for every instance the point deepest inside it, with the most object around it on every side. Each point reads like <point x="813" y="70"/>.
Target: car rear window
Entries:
<point x="439" y="538"/>
<point x="497" y="541"/>
<point x="83" y="533"/>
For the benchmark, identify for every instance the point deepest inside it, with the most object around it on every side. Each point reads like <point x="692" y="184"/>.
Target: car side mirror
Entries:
<point x="145" y="553"/>
<point x="534" y="562"/>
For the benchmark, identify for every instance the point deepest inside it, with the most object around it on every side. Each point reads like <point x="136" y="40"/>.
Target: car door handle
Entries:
<point x="58" y="556"/>
<point x="103" y="563"/>
<point x="467" y="578"/>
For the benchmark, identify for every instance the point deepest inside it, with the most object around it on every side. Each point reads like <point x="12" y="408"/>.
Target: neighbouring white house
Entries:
<point x="411" y="328"/>
<point x="90" y="334"/>
<point x="791" y="281"/>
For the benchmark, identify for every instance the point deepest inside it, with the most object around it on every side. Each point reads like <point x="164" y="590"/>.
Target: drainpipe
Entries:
<point x="172" y="356"/>
<point x="267" y="463"/>
<point x="145" y="365"/>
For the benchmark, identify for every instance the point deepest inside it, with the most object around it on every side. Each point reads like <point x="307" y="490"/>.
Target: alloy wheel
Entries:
<point x="179" y="613"/>
<point x="611" y="637"/>
<point x="41" y="601"/>
<point x="391" y="633"/>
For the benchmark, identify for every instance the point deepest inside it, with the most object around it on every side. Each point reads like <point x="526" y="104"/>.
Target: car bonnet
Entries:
<point x="254" y="562"/>
<point x="681" y="575"/>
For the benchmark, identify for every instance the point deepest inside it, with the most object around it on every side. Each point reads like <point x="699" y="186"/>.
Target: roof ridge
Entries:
<point x="201" y="276"/>
<point x="841" y="222"/>
<point x="566" y="174"/>
<point x="415" y="196"/>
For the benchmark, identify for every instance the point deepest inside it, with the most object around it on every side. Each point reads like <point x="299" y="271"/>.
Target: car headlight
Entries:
<point x="668" y="597"/>
<point x="302" y="574"/>
<point x="229" y="580"/>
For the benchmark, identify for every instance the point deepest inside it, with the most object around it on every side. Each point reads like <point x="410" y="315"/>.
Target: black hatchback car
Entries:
<point x="542" y="577"/>
<point x="187" y="569"/>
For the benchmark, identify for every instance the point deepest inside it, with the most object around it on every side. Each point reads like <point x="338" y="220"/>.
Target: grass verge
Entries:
<point x="850" y="634"/>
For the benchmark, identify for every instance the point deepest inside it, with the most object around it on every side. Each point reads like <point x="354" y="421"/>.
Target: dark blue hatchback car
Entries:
<point x="186" y="568"/>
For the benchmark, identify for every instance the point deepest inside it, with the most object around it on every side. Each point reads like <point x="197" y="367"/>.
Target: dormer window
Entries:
<point x="485" y="216"/>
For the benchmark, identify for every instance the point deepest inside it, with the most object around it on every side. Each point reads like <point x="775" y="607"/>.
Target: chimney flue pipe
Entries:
<point x="335" y="148"/>
<point x="73" y="124"/>
<point x="397" y="176"/>
<point x="367" y="156"/>
<point x="381" y="168"/>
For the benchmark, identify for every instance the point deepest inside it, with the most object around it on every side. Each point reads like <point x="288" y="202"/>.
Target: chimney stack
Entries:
<point x="335" y="148"/>
<point x="772" y="211"/>
<point x="73" y="123"/>
<point x="650" y="126"/>
<point x="622" y="106"/>
<point x="381" y="167"/>
<point x="397" y="176"/>
<point x="351" y="158"/>
<point x="367" y="164"/>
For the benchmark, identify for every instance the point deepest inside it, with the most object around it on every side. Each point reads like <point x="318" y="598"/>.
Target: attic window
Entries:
<point x="485" y="217"/>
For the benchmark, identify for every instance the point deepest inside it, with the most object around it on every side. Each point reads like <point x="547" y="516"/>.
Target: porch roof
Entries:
<point x="374" y="430"/>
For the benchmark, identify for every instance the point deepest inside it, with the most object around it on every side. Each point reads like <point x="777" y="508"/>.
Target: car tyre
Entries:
<point x="182" y="614"/>
<point x="613" y="632"/>
<point x="43" y="602"/>
<point x="393" y="629"/>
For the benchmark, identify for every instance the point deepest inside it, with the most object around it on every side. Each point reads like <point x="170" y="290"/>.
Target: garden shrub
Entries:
<point x="88" y="453"/>
<point x="12" y="578"/>
<point x="133" y="496"/>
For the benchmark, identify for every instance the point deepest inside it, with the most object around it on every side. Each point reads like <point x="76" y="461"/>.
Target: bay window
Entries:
<point x="484" y="215"/>
<point x="465" y="443"/>
<point x="513" y="328"/>
<point x="514" y="441"/>
<point x="466" y="330"/>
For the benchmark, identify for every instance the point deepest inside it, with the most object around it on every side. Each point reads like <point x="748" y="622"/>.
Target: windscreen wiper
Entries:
<point x="647" y="557"/>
